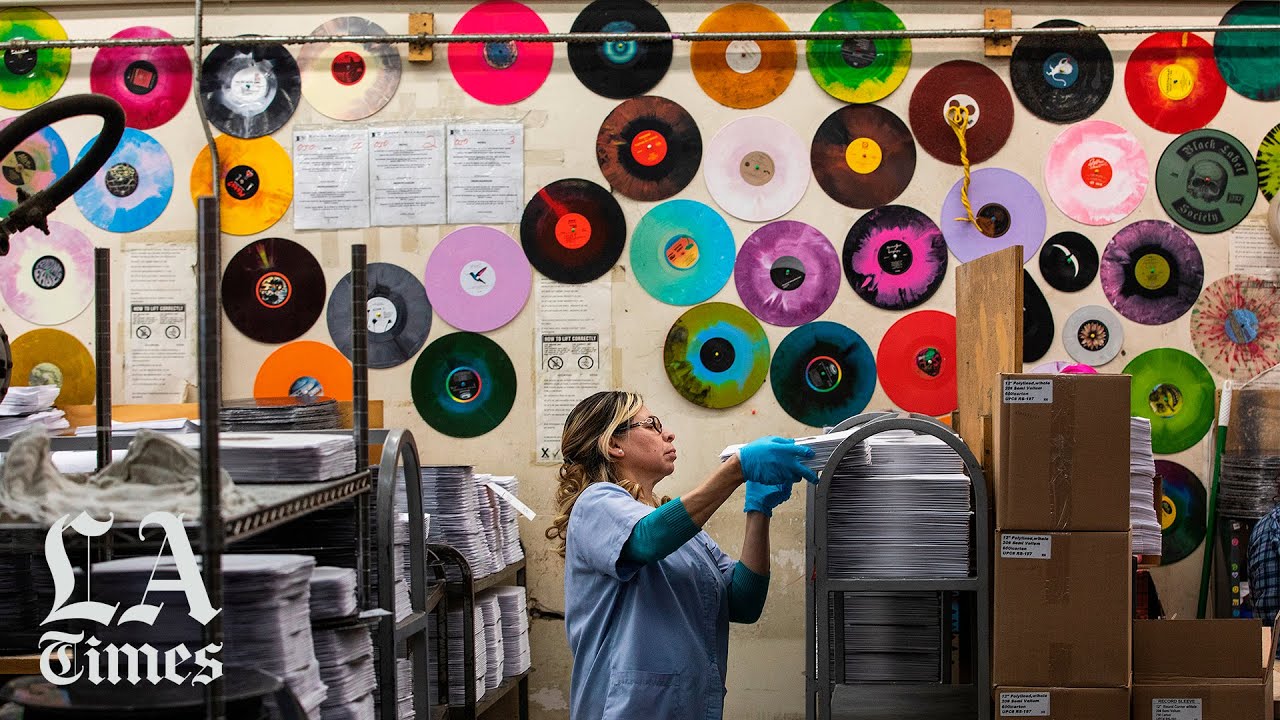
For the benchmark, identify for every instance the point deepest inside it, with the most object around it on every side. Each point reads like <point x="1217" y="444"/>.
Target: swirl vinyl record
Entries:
<point x="823" y="373"/>
<point x="1267" y="163"/>
<point x="1096" y="172"/>
<point x="257" y="183"/>
<point x="132" y="189"/>
<point x="463" y="385"/>
<point x="786" y="273"/>
<point x="966" y="84"/>
<point x="1235" y="326"/>
<point x="1037" y="321"/>
<point x="500" y="73"/>
<point x="917" y="362"/>
<point x="1206" y="181"/>
<point x="273" y="290"/>
<point x="1062" y="79"/>
<point x="573" y="231"/>
<point x="31" y="167"/>
<point x="1172" y="82"/>
<point x="863" y="156"/>
<point x="624" y="68"/>
<point x="1008" y="208"/>
<point x="1247" y="60"/>
<point x="398" y="315"/>
<point x="53" y="357"/>
<point x="150" y="83"/>
<point x="1093" y="335"/>
<point x="858" y="70"/>
<point x="48" y="279"/>
<point x="479" y="279"/>
<point x="1152" y="272"/>
<point x="1068" y="261"/>
<point x="1175" y="391"/>
<point x="349" y="80"/>
<point x="1182" y="512"/>
<point x="716" y="355"/>
<point x="895" y="257"/>
<point x="756" y="170"/>
<point x="682" y="252"/>
<point x="743" y="74"/>
<point x="250" y="90"/>
<point x="649" y="148"/>
<point x="29" y="77"/>
<point x="304" y="368"/>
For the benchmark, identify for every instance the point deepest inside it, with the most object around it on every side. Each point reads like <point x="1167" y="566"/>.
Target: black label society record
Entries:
<point x="273" y="290"/>
<point x="573" y="231"/>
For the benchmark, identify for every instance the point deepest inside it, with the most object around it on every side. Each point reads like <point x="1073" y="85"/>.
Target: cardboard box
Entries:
<point x="1203" y="670"/>
<point x="1062" y="703"/>
<point x="1062" y="453"/>
<point x="1063" y="609"/>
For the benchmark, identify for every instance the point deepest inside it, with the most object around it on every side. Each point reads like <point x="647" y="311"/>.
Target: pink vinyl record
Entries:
<point x="48" y="279"/>
<point x="500" y="73"/>
<point x="478" y="279"/>
<point x="150" y="83"/>
<point x="1096" y="172"/>
<point x="787" y="273"/>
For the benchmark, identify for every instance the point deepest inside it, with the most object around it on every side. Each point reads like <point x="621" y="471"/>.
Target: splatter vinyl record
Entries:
<point x="1175" y="391"/>
<point x="1151" y="272"/>
<point x="895" y="257"/>
<point x="743" y="74"/>
<point x="463" y="385"/>
<point x="1268" y="164"/>
<point x="786" y="273"/>
<point x="823" y="373"/>
<point x="716" y="355"/>
<point x="1235" y="326"/>
<point x="682" y="252"/>
<point x="917" y="362"/>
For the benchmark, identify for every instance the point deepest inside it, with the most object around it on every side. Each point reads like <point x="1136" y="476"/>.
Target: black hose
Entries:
<point x="33" y="211"/>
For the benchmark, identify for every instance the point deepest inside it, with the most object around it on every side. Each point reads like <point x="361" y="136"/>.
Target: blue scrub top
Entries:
<point x="648" y="641"/>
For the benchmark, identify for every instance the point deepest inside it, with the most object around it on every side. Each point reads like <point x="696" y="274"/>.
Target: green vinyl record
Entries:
<point x="1207" y="181"/>
<point x="716" y="355"/>
<point x="29" y="77"/>
<point x="1268" y="162"/>
<point x="1175" y="391"/>
<point x="463" y="385"/>
<point x="1247" y="60"/>
<point x="858" y="70"/>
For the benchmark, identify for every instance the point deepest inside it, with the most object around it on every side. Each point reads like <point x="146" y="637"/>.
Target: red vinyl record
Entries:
<point x="917" y="362"/>
<point x="1173" y="83"/>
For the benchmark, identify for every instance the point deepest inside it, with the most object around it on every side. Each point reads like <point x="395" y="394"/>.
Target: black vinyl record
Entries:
<point x="620" y="69"/>
<point x="863" y="156"/>
<point x="573" y="231"/>
<point x="1069" y="261"/>
<point x="649" y="148"/>
<point x="1037" y="321"/>
<point x="1061" y="78"/>
<point x="250" y="90"/>
<point x="273" y="290"/>
<point x="399" y="315"/>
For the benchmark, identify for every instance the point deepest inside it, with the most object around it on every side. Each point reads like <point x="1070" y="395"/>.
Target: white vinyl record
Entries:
<point x="757" y="168"/>
<point x="349" y="81"/>
<point x="1093" y="335"/>
<point x="1096" y="172"/>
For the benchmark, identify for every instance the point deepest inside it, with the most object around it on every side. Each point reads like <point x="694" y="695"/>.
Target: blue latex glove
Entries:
<point x="764" y="498"/>
<point x="775" y="461"/>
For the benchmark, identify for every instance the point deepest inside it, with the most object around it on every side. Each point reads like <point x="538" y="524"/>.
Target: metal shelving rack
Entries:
<point x="828" y="695"/>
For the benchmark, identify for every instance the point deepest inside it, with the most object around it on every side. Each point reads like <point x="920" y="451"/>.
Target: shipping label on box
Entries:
<point x="1176" y="709"/>
<point x="1024" y="704"/>
<point x="1020" y="391"/>
<point x="1031" y="547"/>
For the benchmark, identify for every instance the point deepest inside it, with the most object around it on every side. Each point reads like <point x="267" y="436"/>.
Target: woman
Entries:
<point x="648" y="595"/>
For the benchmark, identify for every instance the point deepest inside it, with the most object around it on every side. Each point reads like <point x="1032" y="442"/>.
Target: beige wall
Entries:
<point x="766" y="669"/>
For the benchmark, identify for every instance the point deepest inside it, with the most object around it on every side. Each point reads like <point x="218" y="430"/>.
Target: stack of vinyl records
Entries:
<point x="457" y="688"/>
<point x="285" y="458"/>
<point x="452" y="497"/>
<point x="823" y="446"/>
<point x="1249" y="487"/>
<point x="508" y="527"/>
<point x="276" y="414"/>
<point x="404" y="689"/>
<point x="333" y="593"/>
<point x="401" y="538"/>
<point x="346" y="666"/>
<point x="17" y="603"/>
<point x="406" y="560"/>
<point x="1142" y="479"/>
<point x="494" y="651"/>
<point x="891" y="637"/>
<point x="513" y="601"/>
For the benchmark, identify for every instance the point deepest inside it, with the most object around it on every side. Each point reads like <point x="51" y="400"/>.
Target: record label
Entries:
<point x="1235" y="326"/>
<point x="967" y="84"/>
<point x="1096" y="172"/>
<point x="1062" y="79"/>
<point x="1175" y="392"/>
<point x="858" y="70"/>
<point x="785" y="273"/>
<point x="1207" y="181"/>
<point x="863" y="156"/>
<point x="649" y="148"/>
<point x="463" y="385"/>
<point x="1093" y="335"/>
<point x="716" y="355"/>
<point x="32" y="166"/>
<point x="257" y="179"/>
<point x="682" y="252"/>
<point x="823" y="373"/>
<point x="150" y="83"/>
<point x="500" y="73"/>
<point x="1247" y="59"/>
<point x="895" y="257"/>
<point x="348" y="80"/>
<point x="743" y="74"/>
<point x="1006" y="206"/>
<point x="478" y="279"/>
<point x="1172" y="82"/>
<point x="53" y="357"/>
<point x="132" y="189"/>
<point x="304" y="369"/>
<point x="620" y="69"/>
<point x="1152" y="272"/>
<point x="755" y="168"/>
<point x="273" y="290"/>
<point x="573" y="231"/>
<point x="30" y="77"/>
<point x="1182" y="516"/>
<point x="48" y="279"/>
<point x="917" y="362"/>
<point x="1069" y="262"/>
<point x="250" y="91"/>
<point x="398" y="314"/>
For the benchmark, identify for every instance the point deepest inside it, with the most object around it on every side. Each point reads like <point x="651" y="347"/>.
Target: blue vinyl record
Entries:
<point x="823" y="373"/>
<point x="682" y="252"/>
<point x="132" y="188"/>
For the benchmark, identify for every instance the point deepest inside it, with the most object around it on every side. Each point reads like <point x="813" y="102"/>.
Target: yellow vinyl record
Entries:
<point x="257" y="182"/>
<point x="745" y="73"/>
<point x="30" y="77"/>
<point x="53" y="357"/>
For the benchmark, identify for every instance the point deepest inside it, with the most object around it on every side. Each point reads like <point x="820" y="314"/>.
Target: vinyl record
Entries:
<point x="463" y="385"/>
<point x="1007" y="206"/>
<point x="755" y="168"/>
<point x="1182" y="516"/>
<point x="1207" y="181"/>
<point x="1062" y="78"/>
<point x="1175" y="391"/>
<point x="304" y="369"/>
<point x="257" y="183"/>
<point x="29" y="77"/>
<point x="32" y="166"/>
<point x="506" y="72"/>
<point x="1069" y="261"/>
<point x="1247" y="60"/>
<point x="132" y="189"/>
<point x="716" y="355"/>
<point x="1235" y="326"/>
<point x="1268" y="164"/>
<point x="620" y="69"/>
<point x="917" y="362"/>
<point x="53" y="357"/>
<point x="649" y="148"/>
<point x="1037" y="321"/>
<point x="398" y="315"/>
<point x="573" y="231"/>
<point x="1096" y="172"/>
<point x="743" y="74"/>
<point x="273" y="290"/>
<point x="1093" y="335"/>
<point x="682" y="252"/>
<point x="786" y="273"/>
<point x="349" y="80"/>
<point x="895" y="257"/>
<point x="479" y="279"/>
<point x="150" y="83"/>
<point x="1173" y="83"/>
<point x="1152" y="272"/>
<point x="823" y="373"/>
<point x="250" y="90"/>
<point x="48" y="279"/>
<point x="967" y="84"/>
<point x="862" y="70"/>
<point x="863" y="156"/>
<point x="1060" y="367"/>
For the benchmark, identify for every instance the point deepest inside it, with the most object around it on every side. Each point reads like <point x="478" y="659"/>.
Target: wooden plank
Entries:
<point x="421" y="23"/>
<point x="998" y="19"/>
<point x="20" y="665"/>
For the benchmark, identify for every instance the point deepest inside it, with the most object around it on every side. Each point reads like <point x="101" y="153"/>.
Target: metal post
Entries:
<point x="212" y="539"/>
<point x="102" y="350"/>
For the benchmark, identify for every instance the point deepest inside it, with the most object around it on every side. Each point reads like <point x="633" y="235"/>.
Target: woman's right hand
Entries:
<point x="774" y="460"/>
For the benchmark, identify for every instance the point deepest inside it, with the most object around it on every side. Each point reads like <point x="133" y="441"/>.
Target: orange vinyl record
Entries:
<point x="744" y="73"/>
<point x="52" y="357"/>
<point x="304" y="369"/>
<point x="257" y="182"/>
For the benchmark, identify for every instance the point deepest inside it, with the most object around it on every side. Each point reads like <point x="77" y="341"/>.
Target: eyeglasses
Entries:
<point x="651" y="421"/>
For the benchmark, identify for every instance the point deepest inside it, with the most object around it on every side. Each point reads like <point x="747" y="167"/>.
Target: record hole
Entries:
<point x="681" y="252"/>
<point x="858" y="52"/>
<point x="863" y="155"/>
<point x="649" y="148"/>
<point x="1061" y="71"/>
<point x="1096" y="172"/>
<point x="1152" y="271"/>
<point x="19" y="62"/>
<point x="994" y="220"/>
<point x="477" y="278"/>
<point x="274" y="290"/>
<point x="743" y="56"/>
<point x="757" y="168"/>
<point x="823" y="374"/>
<point x="1175" y="81"/>
<point x="573" y="230"/>
<point x="717" y="354"/>
<point x="306" y="387"/>
<point x="121" y="179"/>
<point x="1241" y="326"/>
<point x="48" y="272"/>
<point x="141" y="77"/>
<point x="620" y="52"/>
<point x="1165" y="400"/>
<point x="242" y="182"/>
<point x="347" y="68"/>
<point x="787" y="273"/>
<point x="464" y="384"/>
<point x="894" y="257"/>
<point x="1093" y="335"/>
<point x="501" y="55"/>
<point x="16" y="171"/>
<point x="45" y="373"/>
<point x="382" y="314"/>
<point x="965" y="101"/>
<point x="929" y="362"/>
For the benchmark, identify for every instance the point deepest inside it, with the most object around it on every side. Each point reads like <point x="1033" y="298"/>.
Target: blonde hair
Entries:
<point x="584" y="446"/>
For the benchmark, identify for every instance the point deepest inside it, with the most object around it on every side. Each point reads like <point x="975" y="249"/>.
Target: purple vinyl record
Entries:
<point x="1152" y="272"/>
<point x="1005" y="204"/>
<point x="895" y="257"/>
<point x="478" y="279"/>
<point x="787" y="273"/>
